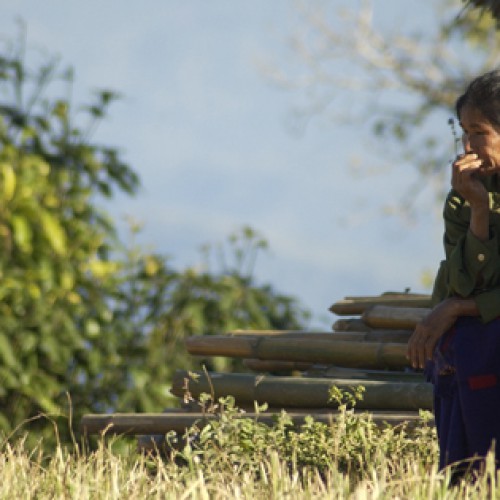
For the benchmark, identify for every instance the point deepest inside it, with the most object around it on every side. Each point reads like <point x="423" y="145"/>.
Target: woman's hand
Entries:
<point x="429" y="330"/>
<point x="465" y="179"/>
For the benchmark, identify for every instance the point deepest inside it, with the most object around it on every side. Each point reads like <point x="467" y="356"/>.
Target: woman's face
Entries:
<point x="480" y="136"/>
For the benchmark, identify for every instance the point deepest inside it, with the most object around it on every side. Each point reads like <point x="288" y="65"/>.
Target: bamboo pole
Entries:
<point x="387" y="295"/>
<point x="191" y="405"/>
<point x="161" y="423"/>
<point x="394" y="317"/>
<point x="338" y="352"/>
<point x="358" y="305"/>
<point x="351" y="325"/>
<point x="330" y="371"/>
<point x="362" y="374"/>
<point x="372" y="335"/>
<point x="271" y="333"/>
<point x="291" y="334"/>
<point x="258" y="365"/>
<point x="303" y="392"/>
<point x="396" y="336"/>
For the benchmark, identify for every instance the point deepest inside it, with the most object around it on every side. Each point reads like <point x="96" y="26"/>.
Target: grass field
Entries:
<point x="240" y="458"/>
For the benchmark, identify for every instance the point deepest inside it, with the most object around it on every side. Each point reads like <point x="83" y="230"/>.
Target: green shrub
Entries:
<point x="351" y="443"/>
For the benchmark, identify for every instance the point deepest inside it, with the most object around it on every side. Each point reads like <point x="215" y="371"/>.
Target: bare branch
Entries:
<point x="346" y="51"/>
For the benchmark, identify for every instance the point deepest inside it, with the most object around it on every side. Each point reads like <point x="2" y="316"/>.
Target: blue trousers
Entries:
<point x="465" y="372"/>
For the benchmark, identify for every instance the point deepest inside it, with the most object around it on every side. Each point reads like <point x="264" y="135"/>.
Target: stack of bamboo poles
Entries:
<point x="295" y="370"/>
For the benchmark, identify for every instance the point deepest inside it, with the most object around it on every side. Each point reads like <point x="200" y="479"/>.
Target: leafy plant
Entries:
<point x="80" y="312"/>
<point x="56" y="331"/>
<point x="352" y="443"/>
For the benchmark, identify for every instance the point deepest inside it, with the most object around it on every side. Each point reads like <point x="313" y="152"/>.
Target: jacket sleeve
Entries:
<point x="473" y="265"/>
<point x="488" y="304"/>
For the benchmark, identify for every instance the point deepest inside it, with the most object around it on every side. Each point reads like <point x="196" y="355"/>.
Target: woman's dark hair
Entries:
<point x="483" y="93"/>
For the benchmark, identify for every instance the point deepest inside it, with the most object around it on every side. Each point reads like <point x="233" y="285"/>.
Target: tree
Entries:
<point x="491" y="6"/>
<point x="55" y="312"/>
<point x="80" y="313"/>
<point x="167" y="306"/>
<point x="400" y="86"/>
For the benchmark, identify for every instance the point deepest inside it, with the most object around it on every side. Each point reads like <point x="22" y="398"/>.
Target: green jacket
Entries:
<point x="472" y="267"/>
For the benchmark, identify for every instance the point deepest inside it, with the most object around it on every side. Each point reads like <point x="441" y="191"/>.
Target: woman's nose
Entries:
<point x="466" y="143"/>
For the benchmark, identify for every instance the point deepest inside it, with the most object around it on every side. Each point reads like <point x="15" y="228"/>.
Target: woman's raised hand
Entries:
<point x="465" y="180"/>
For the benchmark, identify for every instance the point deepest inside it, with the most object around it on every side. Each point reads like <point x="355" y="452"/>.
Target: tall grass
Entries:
<point x="105" y="474"/>
<point x="240" y="458"/>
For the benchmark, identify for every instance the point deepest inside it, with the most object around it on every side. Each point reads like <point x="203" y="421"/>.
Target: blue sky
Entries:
<point x="211" y="139"/>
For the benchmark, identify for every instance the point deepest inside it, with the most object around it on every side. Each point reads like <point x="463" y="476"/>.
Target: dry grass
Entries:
<point x="105" y="473"/>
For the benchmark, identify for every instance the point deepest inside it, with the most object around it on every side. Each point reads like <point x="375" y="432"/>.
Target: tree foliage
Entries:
<point x="400" y="86"/>
<point x="491" y="6"/>
<point x="81" y="314"/>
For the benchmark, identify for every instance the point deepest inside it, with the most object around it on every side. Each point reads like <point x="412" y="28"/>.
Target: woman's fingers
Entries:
<point x="421" y="345"/>
<point x="466" y="159"/>
<point x="417" y="346"/>
<point x="466" y="164"/>
<point x="464" y="178"/>
<point x="410" y="353"/>
<point x="427" y="333"/>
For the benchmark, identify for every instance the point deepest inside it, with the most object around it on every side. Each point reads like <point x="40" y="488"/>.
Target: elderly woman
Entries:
<point x="459" y="341"/>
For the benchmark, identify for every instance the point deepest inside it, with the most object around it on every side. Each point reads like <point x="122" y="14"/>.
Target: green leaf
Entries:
<point x="54" y="232"/>
<point x="7" y="353"/>
<point x="22" y="232"/>
<point x="8" y="181"/>
<point x="92" y="328"/>
<point x="40" y="390"/>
